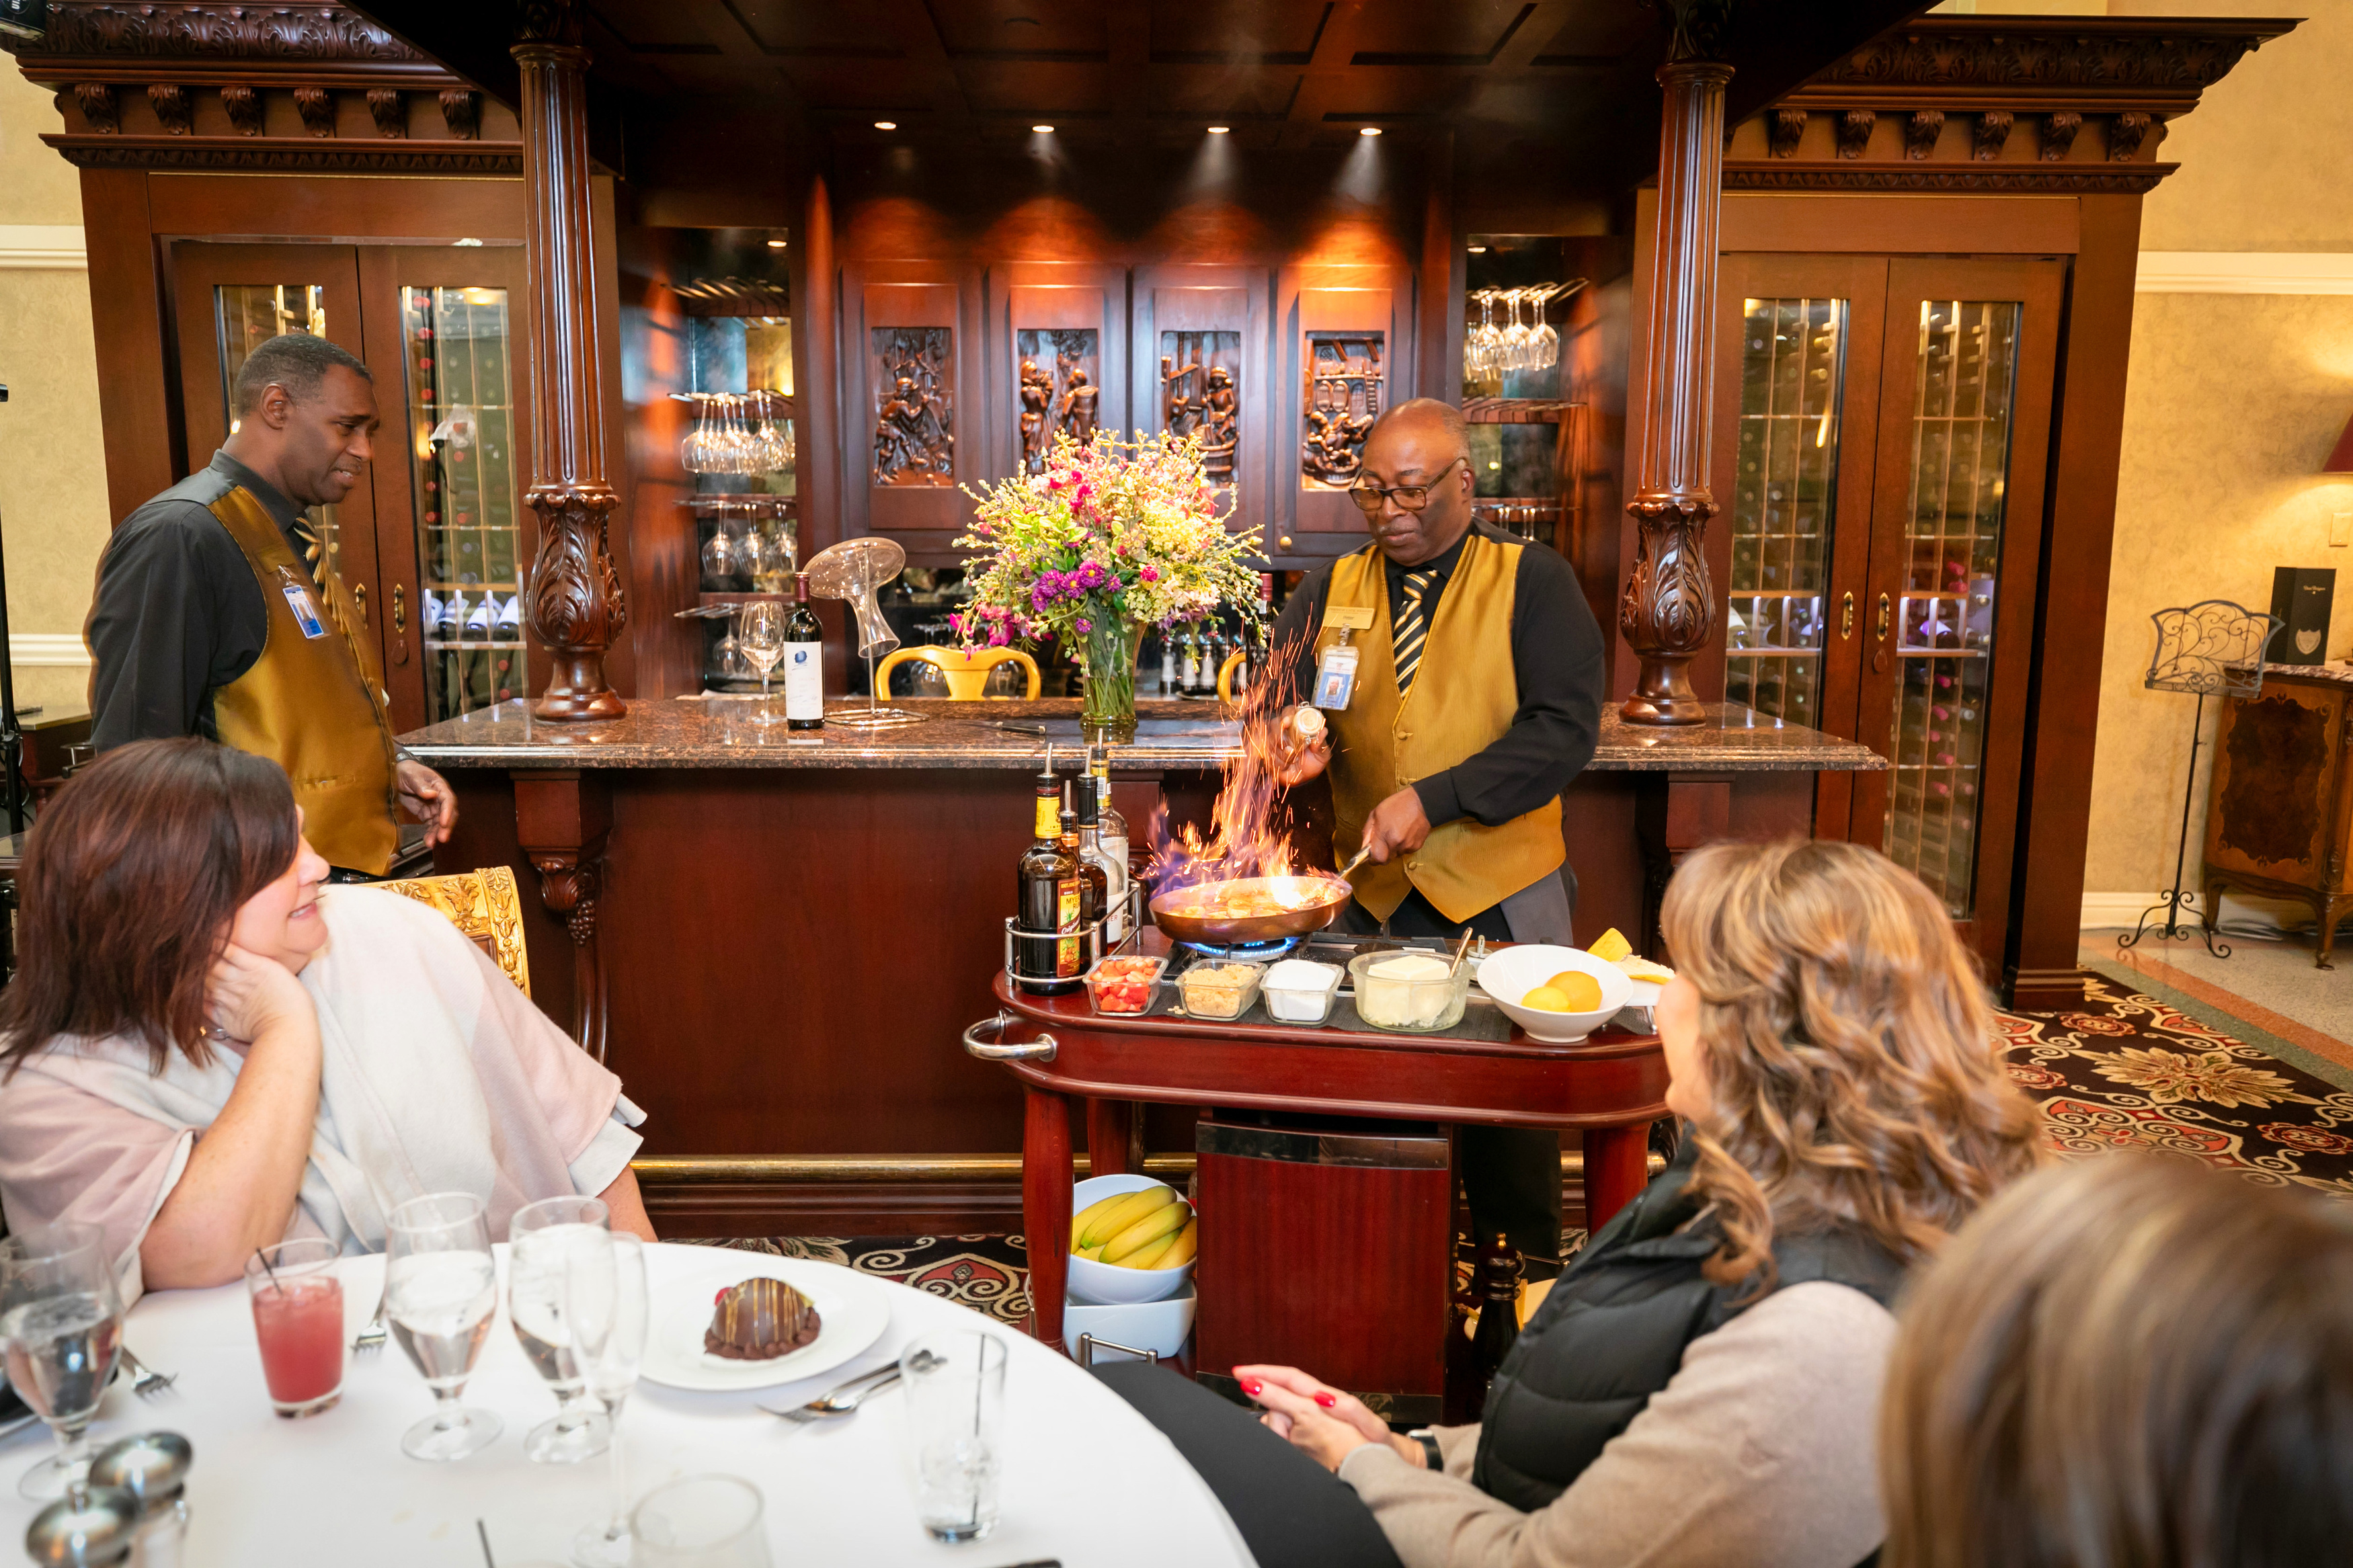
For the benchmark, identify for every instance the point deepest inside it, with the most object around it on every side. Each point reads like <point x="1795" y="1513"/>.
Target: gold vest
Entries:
<point x="312" y="704"/>
<point x="1464" y="694"/>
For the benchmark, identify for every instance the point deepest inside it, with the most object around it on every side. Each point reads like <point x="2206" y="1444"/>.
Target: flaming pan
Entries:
<point x="1276" y="906"/>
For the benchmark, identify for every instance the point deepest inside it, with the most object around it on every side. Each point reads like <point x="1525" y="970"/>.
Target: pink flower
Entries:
<point x="1084" y="624"/>
<point x="1148" y="574"/>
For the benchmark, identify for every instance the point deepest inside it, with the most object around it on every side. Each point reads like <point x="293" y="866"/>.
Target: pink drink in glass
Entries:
<point x="298" y="1315"/>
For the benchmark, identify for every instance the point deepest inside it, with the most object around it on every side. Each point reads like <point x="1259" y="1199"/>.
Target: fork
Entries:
<point x="370" y="1339"/>
<point x="840" y="1401"/>
<point x="147" y="1381"/>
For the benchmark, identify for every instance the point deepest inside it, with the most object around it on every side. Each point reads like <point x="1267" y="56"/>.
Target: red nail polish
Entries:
<point x="1327" y="1400"/>
<point x="1253" y="1388"/>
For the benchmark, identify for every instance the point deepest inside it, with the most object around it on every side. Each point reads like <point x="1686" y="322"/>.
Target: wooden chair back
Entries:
<point x="486" y="906"/>
<point x="966" y="668"/>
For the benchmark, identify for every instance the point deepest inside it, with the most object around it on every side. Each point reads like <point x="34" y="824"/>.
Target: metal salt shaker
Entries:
<point x="153" y="1469"/>
<point x="90" y="1526"/>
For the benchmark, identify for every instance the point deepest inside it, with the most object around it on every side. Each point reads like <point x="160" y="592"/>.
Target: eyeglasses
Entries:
<point x="1412" y="498"/>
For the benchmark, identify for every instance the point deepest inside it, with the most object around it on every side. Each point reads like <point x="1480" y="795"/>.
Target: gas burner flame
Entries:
<point x="1246" y="837"/>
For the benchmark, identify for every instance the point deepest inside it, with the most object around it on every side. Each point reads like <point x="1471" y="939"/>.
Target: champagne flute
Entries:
<point x="761" y="633"/>
<point x="441" y="1291"/>
<point x="60" y="1331"/>
<point x="609" y="1310"/>
<point x="546" y="1239"/>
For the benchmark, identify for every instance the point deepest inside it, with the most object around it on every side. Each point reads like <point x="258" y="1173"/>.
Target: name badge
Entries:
<point x="1336" y="676"/>
<point x="306" y="616"/>
<point x="1349" y="617"/>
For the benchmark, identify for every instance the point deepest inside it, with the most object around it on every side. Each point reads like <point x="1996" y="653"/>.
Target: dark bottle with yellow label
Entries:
<point x="1049" y="897"/>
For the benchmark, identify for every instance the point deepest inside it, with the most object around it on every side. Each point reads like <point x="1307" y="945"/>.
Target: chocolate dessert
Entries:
<point x="760" y="1319"/>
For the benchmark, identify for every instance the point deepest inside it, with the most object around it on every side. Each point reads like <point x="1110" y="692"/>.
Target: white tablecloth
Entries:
<point x="1085" y="1479"/>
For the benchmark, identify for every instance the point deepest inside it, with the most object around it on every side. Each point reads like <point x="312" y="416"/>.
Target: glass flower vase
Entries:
<point x="1107" y="704"/>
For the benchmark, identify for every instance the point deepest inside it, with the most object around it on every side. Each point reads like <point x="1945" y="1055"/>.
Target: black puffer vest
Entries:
<point x="1614" y="1331"/>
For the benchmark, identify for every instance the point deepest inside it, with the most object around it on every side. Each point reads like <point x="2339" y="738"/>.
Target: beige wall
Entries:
<point x="52" y="455"/>
<point x="2234" y="399"/>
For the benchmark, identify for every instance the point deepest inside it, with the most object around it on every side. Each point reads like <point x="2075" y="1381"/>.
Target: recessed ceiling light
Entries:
<point x="775" y="245"/>
<point x="1370" y="130"/>
<point x="1218" y="130"/>
<point x="886" y="125"/>
<point x="1477" y="250"/>
<point x="1043" y="130"/>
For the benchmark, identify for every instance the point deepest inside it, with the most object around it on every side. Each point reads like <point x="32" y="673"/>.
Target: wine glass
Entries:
<point x="545" y="1239"/>
<point x="762" y="634"/>
<point x="60" y="1331"/>
<point x="608" y="1320"/>
<point x="441" y="1291"/>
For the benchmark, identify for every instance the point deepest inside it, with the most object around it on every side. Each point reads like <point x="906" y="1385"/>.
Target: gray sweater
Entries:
<point x="1757" y="1454"/>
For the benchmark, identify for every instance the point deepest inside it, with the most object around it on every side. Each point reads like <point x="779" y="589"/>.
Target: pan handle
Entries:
<point x="985" y="1039"/>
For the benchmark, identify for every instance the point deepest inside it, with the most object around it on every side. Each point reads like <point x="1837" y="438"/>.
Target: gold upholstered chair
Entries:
<point x="486" y="905"/>
<point x="965" y="668"/>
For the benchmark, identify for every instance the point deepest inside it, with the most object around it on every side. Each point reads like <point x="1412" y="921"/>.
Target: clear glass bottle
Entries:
<point x="1092" y="792"/>
<point x="1168" y="661"/>
<point x="1095" y="881"/>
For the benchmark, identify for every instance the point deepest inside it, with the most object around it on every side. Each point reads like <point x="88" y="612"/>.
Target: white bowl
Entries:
<point x="1514" y="972"/>
<point x="1107" y="1284"/>
<point x="1156" y="1326"/>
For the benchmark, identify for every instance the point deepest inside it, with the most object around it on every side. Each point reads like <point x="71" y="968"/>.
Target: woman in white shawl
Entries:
<point x="207" y="1051"/>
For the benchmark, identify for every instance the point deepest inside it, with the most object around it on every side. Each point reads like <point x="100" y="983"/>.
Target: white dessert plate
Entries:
<point x="852" y="1312"/>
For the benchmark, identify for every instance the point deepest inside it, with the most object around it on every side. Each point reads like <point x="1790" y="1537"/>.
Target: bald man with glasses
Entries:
<point x="1476" y="700"/>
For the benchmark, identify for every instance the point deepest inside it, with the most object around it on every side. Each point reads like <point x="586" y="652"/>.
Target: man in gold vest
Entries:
<point x="218" y="615"/>
<point x="1465" y="697"/>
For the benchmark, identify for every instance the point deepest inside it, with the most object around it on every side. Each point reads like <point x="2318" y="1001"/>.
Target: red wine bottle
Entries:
<point x="803" y="662"/>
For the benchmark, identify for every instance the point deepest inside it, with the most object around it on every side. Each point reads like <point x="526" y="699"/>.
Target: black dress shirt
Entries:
<point x="1556" y="660"/>
<point x="179" y="614"/>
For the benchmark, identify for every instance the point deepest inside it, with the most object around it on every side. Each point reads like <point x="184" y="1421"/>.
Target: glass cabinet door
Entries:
<point x="1968" y="373"/>
<point x="466" y="495"/>
<point x="1784" y="504"/>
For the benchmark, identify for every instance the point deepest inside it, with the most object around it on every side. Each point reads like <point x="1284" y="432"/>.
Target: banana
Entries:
<point x="1124" y="1211"/>
<point x="1085" y="1217"/>
<point x="1181" y="1250"/>
<point x="1149" y="1255"/>
<point x="1162" y="1221"/>
<point x="1095" y="1253"/>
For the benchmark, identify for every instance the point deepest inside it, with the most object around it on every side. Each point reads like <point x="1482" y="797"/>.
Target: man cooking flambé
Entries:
<point x="1459" y="671"/>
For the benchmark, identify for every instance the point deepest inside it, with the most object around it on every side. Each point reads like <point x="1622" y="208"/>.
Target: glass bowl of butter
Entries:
<point x="1416" y="992"/>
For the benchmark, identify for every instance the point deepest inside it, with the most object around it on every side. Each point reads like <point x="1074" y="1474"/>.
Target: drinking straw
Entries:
<point x="274" y="1285"/>
<point x="484" y="1531"/>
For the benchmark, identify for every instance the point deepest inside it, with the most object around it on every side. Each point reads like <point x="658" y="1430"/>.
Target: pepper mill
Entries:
<point x="153" y="1469"/>
<point x="90" y="1526"/>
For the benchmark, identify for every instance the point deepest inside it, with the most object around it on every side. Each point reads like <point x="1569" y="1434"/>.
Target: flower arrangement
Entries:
<point x="1114" y="536"/>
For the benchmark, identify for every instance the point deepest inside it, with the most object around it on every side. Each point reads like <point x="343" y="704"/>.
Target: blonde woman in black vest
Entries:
<point x="217" y="614"/>
<point x="1701" y="1385"/>
<point x="1475" y="701"/>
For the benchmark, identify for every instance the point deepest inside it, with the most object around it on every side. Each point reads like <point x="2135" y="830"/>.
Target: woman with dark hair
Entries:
<point x="1701" y="1384"/>
<point x="207" y="1051"/>
<point x="2129" y="1362"/>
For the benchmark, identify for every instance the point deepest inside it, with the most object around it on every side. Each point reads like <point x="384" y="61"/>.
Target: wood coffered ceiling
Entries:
<point x="1559" y="90"/>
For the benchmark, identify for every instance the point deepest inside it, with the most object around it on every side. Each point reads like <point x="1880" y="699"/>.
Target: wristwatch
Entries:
<point x="1431" y="1457"/>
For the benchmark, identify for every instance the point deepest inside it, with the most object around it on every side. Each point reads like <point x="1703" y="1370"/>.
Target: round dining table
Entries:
<point x="1085" y="1479"/>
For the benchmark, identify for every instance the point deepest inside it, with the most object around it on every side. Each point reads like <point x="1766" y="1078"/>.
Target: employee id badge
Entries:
<point x="1335" y="675"/>
<point x="298" y="599"/>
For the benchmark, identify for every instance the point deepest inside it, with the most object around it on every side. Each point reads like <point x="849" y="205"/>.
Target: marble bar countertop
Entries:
<point x="696" y="733"/>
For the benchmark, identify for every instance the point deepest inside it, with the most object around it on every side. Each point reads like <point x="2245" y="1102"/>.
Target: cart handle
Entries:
<point x="983" y="1039"/>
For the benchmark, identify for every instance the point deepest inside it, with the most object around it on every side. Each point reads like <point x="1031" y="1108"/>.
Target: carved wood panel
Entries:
<point x="2274" y="758"/>
<point x="1057" y="358"/>
<point x="1349" y="347"/>
<point x="915" y="421"/>
<point x="912" y="372"/>
<point x="1202" y="351"/>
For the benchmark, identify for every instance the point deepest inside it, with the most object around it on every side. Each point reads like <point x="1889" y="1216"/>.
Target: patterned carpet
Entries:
<point x="2138" y="1067"/>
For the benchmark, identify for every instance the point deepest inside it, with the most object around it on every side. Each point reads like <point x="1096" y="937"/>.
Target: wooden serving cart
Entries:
<point x="1609" y="1088"/>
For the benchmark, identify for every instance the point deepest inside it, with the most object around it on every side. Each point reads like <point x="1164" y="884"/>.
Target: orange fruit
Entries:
<point x="1580" y="991"/>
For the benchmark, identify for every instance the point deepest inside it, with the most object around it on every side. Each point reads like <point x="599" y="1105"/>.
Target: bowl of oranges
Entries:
<point x="1558" y="994"/>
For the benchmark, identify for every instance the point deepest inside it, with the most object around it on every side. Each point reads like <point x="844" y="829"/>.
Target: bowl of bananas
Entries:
<point x="1132" y="1239"/>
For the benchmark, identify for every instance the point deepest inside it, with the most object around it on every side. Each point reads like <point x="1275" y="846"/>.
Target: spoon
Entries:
<point x="837" y="1403"/>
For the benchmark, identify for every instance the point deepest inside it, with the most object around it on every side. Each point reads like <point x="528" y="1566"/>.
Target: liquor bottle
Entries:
<point x="1114" y="826"/>
<point x="803" y="662"/>
<point x="1095" y="882"/>
<point x="1246" y="671"/>
<point x="1188" y="663"/>
<point x="1048" y="893"/>
<point x="1205" y="671"/>
<point x="1111" y="902"/>
<point x="1213" y="656"/>
<point x="1168" y="661"/>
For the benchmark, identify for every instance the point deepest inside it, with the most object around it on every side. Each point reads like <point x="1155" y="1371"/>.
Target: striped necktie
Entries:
<point x="1410" y="631"/>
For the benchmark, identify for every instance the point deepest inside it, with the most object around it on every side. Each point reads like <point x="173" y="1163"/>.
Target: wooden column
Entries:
<point x="577" y="608"/>
<point x="1668" y="612"/>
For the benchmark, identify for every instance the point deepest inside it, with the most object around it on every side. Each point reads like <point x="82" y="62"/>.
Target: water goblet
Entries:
<point x="608" y="1314"/>
<point x="441" y="1292"/>
<point x="701" y="1521"/>
<point x="60" y="1332"/>
<point x="545" y="1240"/>
<point x="762" y="634"/>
